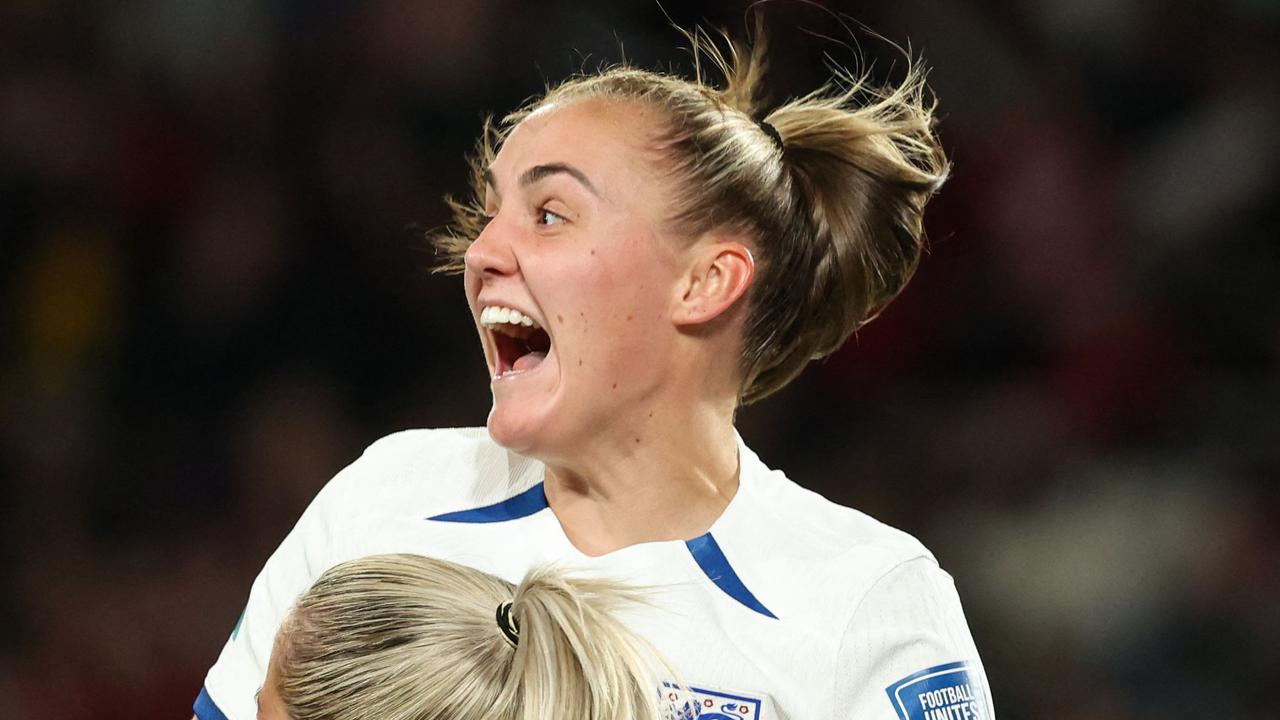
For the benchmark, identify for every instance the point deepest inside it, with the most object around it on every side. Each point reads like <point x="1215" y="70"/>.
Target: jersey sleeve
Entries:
<point x="907" y="653"/>
<point x="230" y="685"/>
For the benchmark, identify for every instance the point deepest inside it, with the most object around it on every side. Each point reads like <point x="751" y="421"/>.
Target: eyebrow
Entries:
<point x="538" y="173"/>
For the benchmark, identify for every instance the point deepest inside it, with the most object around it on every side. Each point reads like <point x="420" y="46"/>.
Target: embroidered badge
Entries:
<point x="703" y="703"/>
<point x="944" y="692"/>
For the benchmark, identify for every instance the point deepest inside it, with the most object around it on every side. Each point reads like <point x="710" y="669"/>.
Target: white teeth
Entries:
<point x="497" y="315"/>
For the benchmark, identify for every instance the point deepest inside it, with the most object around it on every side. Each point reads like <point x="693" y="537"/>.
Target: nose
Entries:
<point x="491" y="253"/>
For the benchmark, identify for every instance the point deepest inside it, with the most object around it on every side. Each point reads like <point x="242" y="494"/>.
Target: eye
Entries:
<point x="546" y="217"/>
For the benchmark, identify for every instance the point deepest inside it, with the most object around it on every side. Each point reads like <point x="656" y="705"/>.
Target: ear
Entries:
<point x="718" y="276"/>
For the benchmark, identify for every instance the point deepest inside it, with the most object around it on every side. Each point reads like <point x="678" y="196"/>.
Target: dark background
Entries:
<point x="215" y="294"/>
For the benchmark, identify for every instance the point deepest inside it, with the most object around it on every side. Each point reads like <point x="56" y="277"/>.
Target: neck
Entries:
<point x="663" y="476"/>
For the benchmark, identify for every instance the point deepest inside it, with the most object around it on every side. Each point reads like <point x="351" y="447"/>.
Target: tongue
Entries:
<point x="529" y="362"/>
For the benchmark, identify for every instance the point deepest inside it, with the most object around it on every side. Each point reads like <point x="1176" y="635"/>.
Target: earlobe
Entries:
<point x="718" y="278"/>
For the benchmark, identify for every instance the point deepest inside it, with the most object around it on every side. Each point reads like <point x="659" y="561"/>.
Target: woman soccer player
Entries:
<point x="407" y="637"/>
<point x="644" y="254"/>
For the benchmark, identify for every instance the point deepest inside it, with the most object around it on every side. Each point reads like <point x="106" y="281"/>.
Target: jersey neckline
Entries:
<point x="704" y="550"/>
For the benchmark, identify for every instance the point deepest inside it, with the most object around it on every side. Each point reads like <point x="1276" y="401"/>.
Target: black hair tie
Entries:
<point x="509" y="626"/>
<point x="771" y="131"/>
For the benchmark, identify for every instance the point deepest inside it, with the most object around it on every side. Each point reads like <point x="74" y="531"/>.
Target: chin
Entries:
<point x="515" y="430"/>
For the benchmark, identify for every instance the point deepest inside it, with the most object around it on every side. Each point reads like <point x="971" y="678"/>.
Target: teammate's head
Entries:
<point x="784" y="235"/>
<point x="406" y="637"/>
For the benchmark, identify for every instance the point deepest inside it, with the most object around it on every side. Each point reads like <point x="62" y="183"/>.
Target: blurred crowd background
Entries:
<point x="215" y="293"/>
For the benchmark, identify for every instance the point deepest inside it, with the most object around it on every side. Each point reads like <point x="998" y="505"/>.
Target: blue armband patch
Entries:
<point x="944" y="692"/>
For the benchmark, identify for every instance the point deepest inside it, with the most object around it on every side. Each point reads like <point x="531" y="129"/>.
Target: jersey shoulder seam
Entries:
<point x="844" y="632"/>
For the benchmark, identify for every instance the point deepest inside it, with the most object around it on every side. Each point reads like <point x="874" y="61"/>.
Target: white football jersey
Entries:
<point x="789" y="607"/>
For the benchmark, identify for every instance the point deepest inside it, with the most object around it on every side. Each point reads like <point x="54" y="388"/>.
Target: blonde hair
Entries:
<point x="834" y="208"/>
<point x="407" y="637"/>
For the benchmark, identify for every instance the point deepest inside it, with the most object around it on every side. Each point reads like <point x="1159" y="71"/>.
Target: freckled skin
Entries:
<point x="604" y="246"/>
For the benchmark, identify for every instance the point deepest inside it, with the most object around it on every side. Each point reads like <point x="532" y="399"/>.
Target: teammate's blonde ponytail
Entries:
<point x="574" y="660"/>
<point x="406" y="637"/>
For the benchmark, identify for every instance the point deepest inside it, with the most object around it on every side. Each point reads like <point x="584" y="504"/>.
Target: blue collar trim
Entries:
<point x="707" y="553"/>
<point x="513" y="508"/>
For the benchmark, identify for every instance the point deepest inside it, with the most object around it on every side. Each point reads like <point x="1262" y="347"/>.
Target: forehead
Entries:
<point x="612" y="141"/>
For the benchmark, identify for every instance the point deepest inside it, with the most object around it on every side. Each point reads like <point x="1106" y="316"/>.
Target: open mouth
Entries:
<point x="520" y="344"/>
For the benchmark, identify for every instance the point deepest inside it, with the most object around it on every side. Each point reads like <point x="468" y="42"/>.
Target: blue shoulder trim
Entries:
<point x="205" y="708"/>
<point x="706" y="552"/>
<point x="526" y="503"/>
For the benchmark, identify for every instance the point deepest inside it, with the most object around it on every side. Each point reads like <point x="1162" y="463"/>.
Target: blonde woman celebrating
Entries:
<point x="643" y="254"/>
<point x="406" y="637"/>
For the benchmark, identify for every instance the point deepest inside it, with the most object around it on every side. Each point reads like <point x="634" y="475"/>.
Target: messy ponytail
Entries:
<point x="406" y="637"/>
<point x="829" y="187"/>
<point x="860" y="162"/>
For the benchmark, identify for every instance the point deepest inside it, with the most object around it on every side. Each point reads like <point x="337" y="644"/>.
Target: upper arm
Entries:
<point x="907" y="650"/>
<point x="303" y="554"/>
<point x="328" y="532"/>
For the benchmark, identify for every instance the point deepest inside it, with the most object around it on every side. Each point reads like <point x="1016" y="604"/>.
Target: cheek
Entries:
<point x="625" y="319"/>
<point x="608" y="303"/>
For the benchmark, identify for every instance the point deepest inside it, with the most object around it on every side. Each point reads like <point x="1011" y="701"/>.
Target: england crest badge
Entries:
<point x="703" y="703"/>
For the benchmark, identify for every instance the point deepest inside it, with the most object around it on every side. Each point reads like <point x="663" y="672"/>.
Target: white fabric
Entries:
<point x="858" y="605"/>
